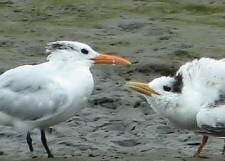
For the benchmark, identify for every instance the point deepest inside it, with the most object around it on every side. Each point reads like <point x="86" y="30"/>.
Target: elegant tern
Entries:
<point x="194" y="99"/>
<point x="39" y="96"/>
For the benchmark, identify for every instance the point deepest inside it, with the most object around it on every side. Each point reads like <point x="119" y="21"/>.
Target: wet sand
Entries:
<point x="117" y="123"/>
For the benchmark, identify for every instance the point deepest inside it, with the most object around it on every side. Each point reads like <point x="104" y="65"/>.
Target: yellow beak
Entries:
<point x="109" y="59"/>
<point x="142" y="88"/>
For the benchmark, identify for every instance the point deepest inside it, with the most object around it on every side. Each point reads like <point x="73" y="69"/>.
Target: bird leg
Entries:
<point x="44" y="142"/>
<point x="201" y="146"/>
<point x="29" y="142"/>
<point x="223" y="152"/>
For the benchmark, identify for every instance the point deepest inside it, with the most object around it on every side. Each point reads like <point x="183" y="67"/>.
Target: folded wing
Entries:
<point x="211" y="121"/>
<point x="29" y="93"/>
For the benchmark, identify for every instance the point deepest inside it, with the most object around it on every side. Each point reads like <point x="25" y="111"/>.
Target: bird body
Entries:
<point x="179" y="113"/>
<point x="193" y="99"/>
<point x="39" y="96"/>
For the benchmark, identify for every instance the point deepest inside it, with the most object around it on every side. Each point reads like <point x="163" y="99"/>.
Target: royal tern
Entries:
<point x="194" y="99"/>
<point x="39" y="96"/>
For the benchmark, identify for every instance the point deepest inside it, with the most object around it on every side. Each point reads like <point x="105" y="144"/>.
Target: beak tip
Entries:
<point x="127" y="84"/>
<point x="110" y="59"/>
<point x="129" y="63"/>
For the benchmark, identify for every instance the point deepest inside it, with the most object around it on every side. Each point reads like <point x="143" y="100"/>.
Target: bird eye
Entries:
<point x="166" y="88"/>
<point x="84" y="51"/>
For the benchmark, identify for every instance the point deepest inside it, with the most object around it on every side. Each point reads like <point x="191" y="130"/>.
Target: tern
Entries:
<point x="194" y="99"/>
<point x="42" y="95"/>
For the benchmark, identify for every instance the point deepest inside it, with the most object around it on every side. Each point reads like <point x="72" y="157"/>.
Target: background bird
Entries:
<point x="39" y="96"/>
<point x="193" y="99"/>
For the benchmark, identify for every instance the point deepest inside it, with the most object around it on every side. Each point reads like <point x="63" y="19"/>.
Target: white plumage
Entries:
<point x="39" y="96"/>
<point x="34" y="94"/>
<point x="193" y="99"/>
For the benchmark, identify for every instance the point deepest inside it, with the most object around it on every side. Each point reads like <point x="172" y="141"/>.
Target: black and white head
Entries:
<point x="163" y="91"/>
<point x="76" y="51"/>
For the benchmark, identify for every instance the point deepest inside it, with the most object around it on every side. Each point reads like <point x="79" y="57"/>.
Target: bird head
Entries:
<point x="72" y="50"/>
<point x="162" y="91"/>
<point x="158" y="86"/>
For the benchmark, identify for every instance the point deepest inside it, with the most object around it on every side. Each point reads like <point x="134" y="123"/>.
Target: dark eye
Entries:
<point x="166" y="88"/>
<point x="84" y="51"/>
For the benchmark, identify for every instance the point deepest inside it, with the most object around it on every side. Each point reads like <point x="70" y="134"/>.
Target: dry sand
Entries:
<point x="117" y="124"/>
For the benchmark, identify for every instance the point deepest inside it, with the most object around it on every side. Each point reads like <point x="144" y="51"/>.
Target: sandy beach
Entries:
<point x="117" y="124"/>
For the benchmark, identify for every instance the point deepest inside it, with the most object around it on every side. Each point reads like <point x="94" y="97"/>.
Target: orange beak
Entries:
<point x="109" y="59"/>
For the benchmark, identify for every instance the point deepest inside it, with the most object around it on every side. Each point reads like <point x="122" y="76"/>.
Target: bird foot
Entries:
<point x="33" y="155"/>
<point x="50" y="156"/>
<point x="201" y="157"/>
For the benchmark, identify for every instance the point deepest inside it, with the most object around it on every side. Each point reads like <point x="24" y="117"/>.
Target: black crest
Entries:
<point x="178" y="84"/>
<point x="60" y="46"/>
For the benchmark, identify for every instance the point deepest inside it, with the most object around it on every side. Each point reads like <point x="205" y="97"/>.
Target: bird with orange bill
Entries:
<point x="42" y="95"/>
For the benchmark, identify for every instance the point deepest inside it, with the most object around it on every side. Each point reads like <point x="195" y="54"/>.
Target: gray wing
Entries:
<point x="218" y="131"/>
<point x="30" y="92"/>
<point x="211" y="120"/>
